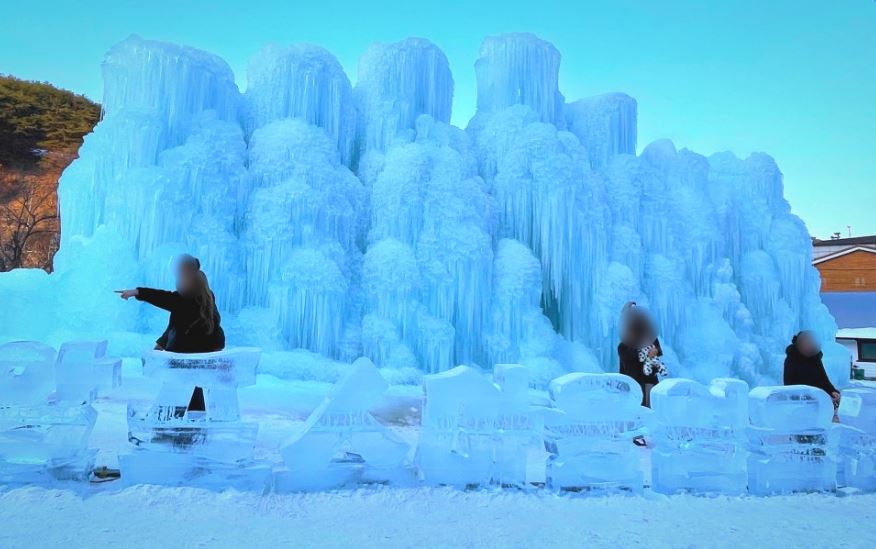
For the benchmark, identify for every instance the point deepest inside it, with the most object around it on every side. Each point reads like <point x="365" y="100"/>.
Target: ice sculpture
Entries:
<point x="82" y="369"/>
<point x="475" y="432"/>
<point x="699" y="442"/>
<point x="39" y="440"/>
<point x="590" y="432"/>
<point x="358" y="222"/>
<point x="793" y="447"/>
<point x="520" y="425"/>
<point x="341" y="443"/>
<point x="857" y="434"/>
<point x="192" y="434"/>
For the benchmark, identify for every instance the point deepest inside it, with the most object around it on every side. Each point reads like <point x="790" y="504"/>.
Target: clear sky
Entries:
<point x="795" y="79"/>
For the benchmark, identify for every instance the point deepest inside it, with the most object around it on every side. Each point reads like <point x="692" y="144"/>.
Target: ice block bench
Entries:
<point x="178" y="443"/>
<point x="699" y="436"/>
<point x="44" y="431"/>
<point x="590" y="433"/>
<point x="792" y="443"/>
<point x="857" y="413"/>
<point x="83" y="369"/>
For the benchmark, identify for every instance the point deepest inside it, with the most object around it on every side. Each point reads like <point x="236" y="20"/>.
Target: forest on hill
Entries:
<point x="41" y="130"/>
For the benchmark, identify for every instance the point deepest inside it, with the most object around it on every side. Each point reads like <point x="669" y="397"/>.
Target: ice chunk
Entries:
<point x="39" y="441"/>
<point x="589" y="435"/>
<point x="793" y="447"/>
<point x="857" y="454"/>
<point x="82" y="368"/>
<point x="794" y="407"/>
<point x="459" y="428"/>
<point x="26" y="373"/>
<point x="341" y="442"/>
<point x="699" y="441"/>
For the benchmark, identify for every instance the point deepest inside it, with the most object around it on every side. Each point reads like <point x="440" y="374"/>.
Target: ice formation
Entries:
<point x="351" y="221"/>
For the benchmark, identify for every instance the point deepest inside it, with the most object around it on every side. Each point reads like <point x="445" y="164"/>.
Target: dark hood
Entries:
<point x="791" y="351"/>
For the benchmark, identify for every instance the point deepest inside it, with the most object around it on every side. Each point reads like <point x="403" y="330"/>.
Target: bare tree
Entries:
<point x="28" y="227"/>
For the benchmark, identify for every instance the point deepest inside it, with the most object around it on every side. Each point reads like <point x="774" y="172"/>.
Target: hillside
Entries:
<point x="41" y="130"/>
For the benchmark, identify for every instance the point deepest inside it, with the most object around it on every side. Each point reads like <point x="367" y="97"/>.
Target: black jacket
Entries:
<point x="186" y="332"/>
<point x="630" y="365"/>
<point x="806" y="370"/>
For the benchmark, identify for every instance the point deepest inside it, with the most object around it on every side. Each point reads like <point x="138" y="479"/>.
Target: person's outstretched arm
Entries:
<point x="159" y="298"/>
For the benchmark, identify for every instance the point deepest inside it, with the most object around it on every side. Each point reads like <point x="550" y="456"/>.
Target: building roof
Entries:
<point x="853" y="241"/>
<point x="851" y="309"/>
<point x="856" y="333"/>
<point x="841" y="253"/>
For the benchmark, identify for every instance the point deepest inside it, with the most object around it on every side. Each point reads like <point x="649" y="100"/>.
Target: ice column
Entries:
<point x="397" y="83"/>
<point x="520" y="69"/>
<point x="162" y="173"/>
<point x="518" y="331"/>
<point x="605" y="124"/>
<point x="305" y="82"/>
<point x="430" y="215"/>
<point x="302" y="228"/>
<point x="550" y="201"/>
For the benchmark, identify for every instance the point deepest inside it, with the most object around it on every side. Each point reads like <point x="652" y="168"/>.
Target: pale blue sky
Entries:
<point x="795" y="79"/>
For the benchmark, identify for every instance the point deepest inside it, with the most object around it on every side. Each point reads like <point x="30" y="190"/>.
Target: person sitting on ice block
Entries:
<point x="803" y="366"/>
<point x="194" y="325"/>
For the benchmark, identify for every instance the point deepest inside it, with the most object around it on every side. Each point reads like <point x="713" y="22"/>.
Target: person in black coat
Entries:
<point x="803" y="365"/>
<point x="639" y="349"/>
<point x="194" y="324"/>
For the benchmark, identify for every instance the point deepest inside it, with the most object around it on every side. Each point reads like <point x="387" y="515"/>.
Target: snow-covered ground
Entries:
<point x="421" y="517"/>
<point x="113" y="515"/>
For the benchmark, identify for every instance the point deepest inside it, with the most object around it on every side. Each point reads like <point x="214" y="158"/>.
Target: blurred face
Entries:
<point x="807" y="344"/>
<point x="184" y="278"/>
